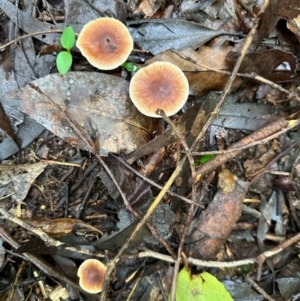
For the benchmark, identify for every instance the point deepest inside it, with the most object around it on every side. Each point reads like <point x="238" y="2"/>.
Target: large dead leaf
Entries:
<point x="204" y="67"/>
<point x="160" y="35"/>
<point x="204" y="59"/>
<point x="92" y="105"/>
<point x="257" y="62"/>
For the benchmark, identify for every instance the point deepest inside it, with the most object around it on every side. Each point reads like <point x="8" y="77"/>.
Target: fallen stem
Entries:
<point x="25" y="36"/>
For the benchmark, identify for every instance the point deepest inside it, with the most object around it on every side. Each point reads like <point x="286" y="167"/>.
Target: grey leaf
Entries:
<point x="160" y="35"/>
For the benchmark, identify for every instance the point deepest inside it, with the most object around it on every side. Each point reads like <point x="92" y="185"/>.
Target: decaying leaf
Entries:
<point x="160" y="35"/>
<point x="207" y="237"/>
<point x="256" y="62"/>
<point x="18" y="179"/>
<point x="93" y="105"/>
<point x="275" y="11"/>
<point x="208" y="68"/>
<point x="61" y="226"/>
<point x="204" y="59"/>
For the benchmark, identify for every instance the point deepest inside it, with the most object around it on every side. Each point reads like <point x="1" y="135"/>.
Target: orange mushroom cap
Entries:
<point x="105" y="42"/>
<point x="91" y="275"/>
<point x="160" y="85"/>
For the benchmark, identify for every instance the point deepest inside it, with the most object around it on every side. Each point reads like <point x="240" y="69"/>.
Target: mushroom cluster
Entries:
<point x="105" y="42"/>
<point x="91" y="275"/>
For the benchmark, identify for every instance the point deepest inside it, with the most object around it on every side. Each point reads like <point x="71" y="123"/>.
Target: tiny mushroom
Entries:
<point x="160" y="85"/>
<point x="91" y="275"/>
<point x="105" y="42"/>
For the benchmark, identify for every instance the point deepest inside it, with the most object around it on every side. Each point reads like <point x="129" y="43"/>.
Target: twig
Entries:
<point x="93" y="180"/>
<point x="270" y="129"/>
<point x="264" y="169"/>
<point x="258" y="288"/>
<point x="170" y="192"/>
<point x="25" y="36"/>
<point x="248" y="145"/>
<point x="272" y="84"/>
<point x="291" y="206"/>
<point x="12" y="292"/>
<point x="223" y="264"/>
<point x="191" y="209"/>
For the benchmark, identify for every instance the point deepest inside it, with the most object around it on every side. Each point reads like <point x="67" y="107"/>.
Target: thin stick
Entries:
<point x="170" y="192"/>
<point x="131" y="209"/>
<point x="292" y="124"/>
<point x="191" y="209"/>
<point x="25" y="36"/>
<point x="264" y="169"/>
<point x="258" y="288"/>
<point x="223" y="264"/>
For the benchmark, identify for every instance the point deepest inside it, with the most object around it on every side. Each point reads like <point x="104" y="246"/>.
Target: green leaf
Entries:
<point x="67" y="38"/>
<point x="204" y="159"/>
<point x="63" y="62"/>
<point x="203" y="287"/>
<point x="129" y="66"/>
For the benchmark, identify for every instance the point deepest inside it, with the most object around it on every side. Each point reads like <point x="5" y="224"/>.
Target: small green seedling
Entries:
<point x="202" y="287"/>
<point x="64" y="58"/>
<point x="129" y="66"/>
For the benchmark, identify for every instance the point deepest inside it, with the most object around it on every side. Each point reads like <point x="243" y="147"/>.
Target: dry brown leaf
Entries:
<point x="200" y="67"/>
<point x="61" y="226"/>
<point x="204" y="59"/>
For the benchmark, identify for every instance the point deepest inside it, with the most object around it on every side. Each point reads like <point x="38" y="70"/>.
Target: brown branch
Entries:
<point x="25" y="36"/>
<point x="170" y="192"/>
<point x="266" y="131"/>
<point x="223" y="264"/>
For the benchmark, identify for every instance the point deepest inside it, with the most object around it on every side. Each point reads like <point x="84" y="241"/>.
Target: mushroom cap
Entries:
<point x="105" y="42"/>
<point x="91" y="275"/>
<point x="160" y="85"/>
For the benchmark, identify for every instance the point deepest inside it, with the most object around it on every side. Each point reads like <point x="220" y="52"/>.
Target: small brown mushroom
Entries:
<point x="160" y="85"/>
<point x="91" y="275"/>
<point x="105" y="42"/>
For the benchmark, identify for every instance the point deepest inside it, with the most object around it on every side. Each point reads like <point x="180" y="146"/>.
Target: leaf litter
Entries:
<point x="83" y="114"/>
<point x="104" y="111"/>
